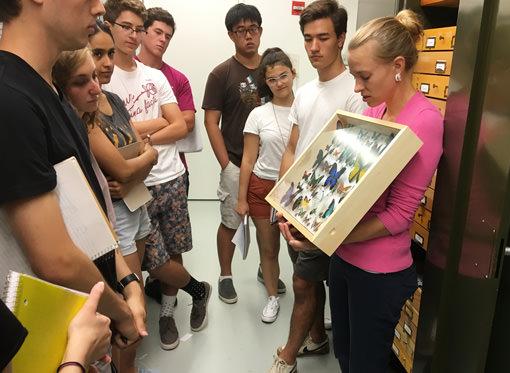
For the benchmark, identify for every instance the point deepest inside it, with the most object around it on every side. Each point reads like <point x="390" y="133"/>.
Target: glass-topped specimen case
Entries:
<point x="341" y="174"/>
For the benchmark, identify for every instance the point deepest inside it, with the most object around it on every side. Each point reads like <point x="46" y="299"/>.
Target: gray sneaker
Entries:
<point x="168" y="334"/>
<point x="226" y="291"/>
<point x="198" y="317"/>
<point x="282" y="289"/>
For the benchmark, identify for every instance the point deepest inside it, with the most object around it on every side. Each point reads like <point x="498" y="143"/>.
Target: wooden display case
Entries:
<point x="341" y="174"/>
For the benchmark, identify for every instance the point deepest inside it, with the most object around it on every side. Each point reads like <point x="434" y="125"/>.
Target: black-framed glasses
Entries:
<point x="241" y="32"/>
<point x="129" y="30"/>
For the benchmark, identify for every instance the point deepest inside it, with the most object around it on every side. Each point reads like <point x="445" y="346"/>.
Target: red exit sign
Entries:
<point x="297" y="7"/>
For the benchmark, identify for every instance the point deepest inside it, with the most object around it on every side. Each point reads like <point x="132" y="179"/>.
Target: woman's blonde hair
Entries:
<point x="394" y="36"/>
<point x="67" y="63"/>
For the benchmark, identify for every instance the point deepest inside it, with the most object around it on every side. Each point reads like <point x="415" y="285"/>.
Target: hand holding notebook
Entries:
<point x="51" y="314"/>
<point x="89" y="333"/>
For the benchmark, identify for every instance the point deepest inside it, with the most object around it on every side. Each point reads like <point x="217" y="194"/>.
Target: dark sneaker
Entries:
<point x="153" y="290"/>
<point x="226" y="291"/>
<point x="198" y="317"/>
<point x="309" y="347"/>
<point x="282" y="289"/>
<point x="168" y="334"/>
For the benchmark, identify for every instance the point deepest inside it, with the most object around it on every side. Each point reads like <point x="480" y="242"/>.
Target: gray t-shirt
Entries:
<point x="117" y="127"/>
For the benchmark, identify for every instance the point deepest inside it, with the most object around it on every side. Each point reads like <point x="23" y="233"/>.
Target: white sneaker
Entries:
<point x="270" y="311"/>
<point x="327" y="323"/>
<point x="280" y="366"/>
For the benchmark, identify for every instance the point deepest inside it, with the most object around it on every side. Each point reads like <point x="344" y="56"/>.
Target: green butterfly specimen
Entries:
<point x="314" y="181"/>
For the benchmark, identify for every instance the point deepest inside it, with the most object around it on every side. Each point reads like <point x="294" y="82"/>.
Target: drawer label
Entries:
<point x="431" y="42"/>
<point x="395" y="349"/>
<point x="408" y="329"/>
<point x="425" y="88"/>
<point x="418" y="238"/>
<point x="440" y="67"/>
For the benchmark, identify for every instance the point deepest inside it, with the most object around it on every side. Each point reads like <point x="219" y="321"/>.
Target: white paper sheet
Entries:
<point x="241" y="238"/>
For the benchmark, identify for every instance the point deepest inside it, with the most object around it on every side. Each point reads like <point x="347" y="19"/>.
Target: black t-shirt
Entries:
<point x="39" y="129"/>
<point x="13" y="335"/>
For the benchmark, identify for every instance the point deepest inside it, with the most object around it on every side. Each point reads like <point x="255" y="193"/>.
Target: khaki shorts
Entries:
<point x="227" y="194"/>
<point x="312" y="266"/>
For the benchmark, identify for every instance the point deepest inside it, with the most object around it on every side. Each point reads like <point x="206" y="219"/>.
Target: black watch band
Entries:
<point x="127" y="280"/>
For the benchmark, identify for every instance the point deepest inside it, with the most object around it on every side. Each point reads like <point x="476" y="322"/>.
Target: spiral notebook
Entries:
<point x="84" y="218"/>
<point x="45" y="310"/>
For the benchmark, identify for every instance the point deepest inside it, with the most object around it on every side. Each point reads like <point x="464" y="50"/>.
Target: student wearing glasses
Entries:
<point x="266" y="134"/>
<point x="152" y="105"/>
<point x="230" y="95"/>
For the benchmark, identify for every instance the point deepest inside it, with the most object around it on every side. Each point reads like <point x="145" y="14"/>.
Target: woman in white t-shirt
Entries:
<point x="266" y="134"/>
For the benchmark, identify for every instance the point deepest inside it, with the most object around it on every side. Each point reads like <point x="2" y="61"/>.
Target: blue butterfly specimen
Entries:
<point x="319" y="159"/>
<point x="286" y="197"/>
<point x="329" y="210"/>
<point x="333" y="177"/>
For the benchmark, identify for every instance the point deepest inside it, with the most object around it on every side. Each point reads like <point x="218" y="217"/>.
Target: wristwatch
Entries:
<point x="126" y="281"/>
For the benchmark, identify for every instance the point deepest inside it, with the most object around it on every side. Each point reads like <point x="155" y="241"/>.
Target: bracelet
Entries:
<point x="71" y="363"/>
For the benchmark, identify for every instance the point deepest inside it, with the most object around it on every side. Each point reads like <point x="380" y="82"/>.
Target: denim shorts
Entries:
<point x="130" y="226"/>
<point x="227" y="194"/>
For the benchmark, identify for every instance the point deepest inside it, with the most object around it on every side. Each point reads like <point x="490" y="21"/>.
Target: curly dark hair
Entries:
<point x="114" y="8"/>
<point x="9" y="9"/>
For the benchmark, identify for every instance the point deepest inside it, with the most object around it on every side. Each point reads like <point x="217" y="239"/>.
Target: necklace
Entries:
<point x="278" y="125"/>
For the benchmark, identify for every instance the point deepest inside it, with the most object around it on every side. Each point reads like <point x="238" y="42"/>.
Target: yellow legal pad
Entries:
<point x="45" y="310"/>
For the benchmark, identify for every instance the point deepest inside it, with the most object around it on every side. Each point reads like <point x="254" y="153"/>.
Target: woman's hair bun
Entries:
<point x="412" y="22"/>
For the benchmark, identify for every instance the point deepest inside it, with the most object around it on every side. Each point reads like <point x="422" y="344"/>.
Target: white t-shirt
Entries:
<point x="143" y="91"/>
<point x="316" y="102"/>
<point x="274" y="133"/>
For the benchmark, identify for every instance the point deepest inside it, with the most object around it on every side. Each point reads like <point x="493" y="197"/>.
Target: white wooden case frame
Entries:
<point x="332" y="205"/>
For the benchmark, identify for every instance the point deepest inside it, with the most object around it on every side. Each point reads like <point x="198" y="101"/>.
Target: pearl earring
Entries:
<point x="398" y="77"/>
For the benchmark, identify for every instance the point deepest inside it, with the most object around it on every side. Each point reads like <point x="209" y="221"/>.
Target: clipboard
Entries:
<point x="139" y="195"/>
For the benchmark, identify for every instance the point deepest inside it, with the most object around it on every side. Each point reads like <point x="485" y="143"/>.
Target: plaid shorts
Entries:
<point x="171" y="229"/>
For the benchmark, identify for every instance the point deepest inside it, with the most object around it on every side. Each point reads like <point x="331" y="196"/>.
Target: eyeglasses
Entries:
<point x="129" y="30"/>
<point x="241" y="32"/>
<point x="274" y="80"/>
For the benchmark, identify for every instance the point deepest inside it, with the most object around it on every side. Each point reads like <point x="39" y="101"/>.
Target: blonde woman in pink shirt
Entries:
<point x="372" y="272"/>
